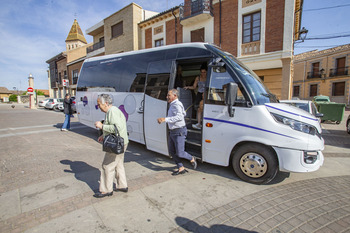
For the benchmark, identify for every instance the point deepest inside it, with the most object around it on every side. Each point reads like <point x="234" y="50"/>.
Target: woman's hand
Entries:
<point x="98" y="124"/>
<point x="100" y="138"/>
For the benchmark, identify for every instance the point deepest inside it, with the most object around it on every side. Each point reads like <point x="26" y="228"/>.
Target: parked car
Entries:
<point x="306" y="105"/>
<point x="348" y="125"/>
<point x="52" y="102"/>
<point x="60" y="107"/>
<point x="42" y="103"/>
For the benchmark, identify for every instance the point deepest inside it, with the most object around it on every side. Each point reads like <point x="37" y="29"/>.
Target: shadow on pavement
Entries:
<point x="83" y="130"/>
<point x="155" y="161"/>
<point x="84" y="172"/>
<point x="191" y="226"/>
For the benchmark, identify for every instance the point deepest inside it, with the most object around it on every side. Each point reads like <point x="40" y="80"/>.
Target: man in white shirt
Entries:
<point x="177" y="132"/>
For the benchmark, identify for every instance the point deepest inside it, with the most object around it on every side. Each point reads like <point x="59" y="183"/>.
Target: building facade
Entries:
<point x="118" y="32"/>
<point x="323" y="73"/>
<point x="56" y="73"/>
<point x="258" y="32"/>
<point x="67" y="64"/>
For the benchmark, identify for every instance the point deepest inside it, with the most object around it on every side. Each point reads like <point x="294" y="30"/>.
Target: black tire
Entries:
<point x="255" y="163"/>
<point x="55" y="108"/>
<point x="348" y="127"/>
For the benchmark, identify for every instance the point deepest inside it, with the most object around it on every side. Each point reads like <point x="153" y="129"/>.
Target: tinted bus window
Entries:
<point x="139" y="83"/>
<point x="157" y="86"/>
<point x="116" y="74"/>
<point x="158" y="79"/>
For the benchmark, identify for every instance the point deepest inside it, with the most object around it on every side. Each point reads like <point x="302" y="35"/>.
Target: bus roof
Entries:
<point x="166" y="47"/>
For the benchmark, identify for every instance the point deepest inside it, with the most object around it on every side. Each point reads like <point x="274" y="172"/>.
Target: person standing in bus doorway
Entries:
<point x="200" y="82"/>
<point x="177" y="132"/>
<point x="67" y="104"/>
<point x="113" y="164"/>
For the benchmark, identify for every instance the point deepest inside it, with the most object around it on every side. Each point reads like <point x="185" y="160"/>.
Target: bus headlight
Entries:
<point x="294" y="124"/>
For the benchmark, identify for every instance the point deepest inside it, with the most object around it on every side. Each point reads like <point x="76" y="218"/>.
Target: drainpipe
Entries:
<point x="172" y="11"/>
<point x="220" y="26"/>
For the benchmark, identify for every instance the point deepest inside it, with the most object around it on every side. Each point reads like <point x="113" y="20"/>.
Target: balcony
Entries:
<point x="95" y="47"/>
<point x="312" y="74"/>
<point x="195" y="11"/>
<point x="341" y="71"/>
<point x="251" y="48"/>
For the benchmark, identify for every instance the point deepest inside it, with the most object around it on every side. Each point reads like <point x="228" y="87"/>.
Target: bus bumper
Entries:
<point x="298" y="160"/>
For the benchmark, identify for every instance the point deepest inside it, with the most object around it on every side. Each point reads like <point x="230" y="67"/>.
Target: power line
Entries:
<point x="327" y="37"/>
<point x="320" y="46"/>
<point x="326" y="8"/>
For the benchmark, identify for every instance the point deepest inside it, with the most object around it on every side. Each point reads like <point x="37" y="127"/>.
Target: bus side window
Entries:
<point x="157" y="86"/>
<point x="139" y="83"/>
<point x="217" y="86"/>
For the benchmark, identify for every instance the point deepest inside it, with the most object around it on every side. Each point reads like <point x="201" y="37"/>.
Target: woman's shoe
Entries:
<point x="100" y="195"/>
<point x="196" y="126"/>
<point x="125" y="190"/>
<point x="179" y="172"/>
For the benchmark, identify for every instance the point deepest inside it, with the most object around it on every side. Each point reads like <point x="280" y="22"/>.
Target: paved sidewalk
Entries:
<point x="315" y="205"/>
<point x="48" y="178"/>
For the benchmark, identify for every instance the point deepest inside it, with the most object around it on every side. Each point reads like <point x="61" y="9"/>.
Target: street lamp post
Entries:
<point x="302" y="34"/>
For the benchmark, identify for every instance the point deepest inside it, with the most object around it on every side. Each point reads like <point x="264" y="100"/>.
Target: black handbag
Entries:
<point x="113" y="143"/>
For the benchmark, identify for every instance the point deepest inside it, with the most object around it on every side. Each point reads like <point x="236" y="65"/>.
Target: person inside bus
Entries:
<point x="113" y="164"/>
<point x="179" y="81"/>
<point x="200" y="83"/>
<point x="177" y="132"/>
<point x="199" y="114"/>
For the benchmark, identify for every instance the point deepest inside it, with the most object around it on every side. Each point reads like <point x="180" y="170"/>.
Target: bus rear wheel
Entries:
<point x="255" y="163"/>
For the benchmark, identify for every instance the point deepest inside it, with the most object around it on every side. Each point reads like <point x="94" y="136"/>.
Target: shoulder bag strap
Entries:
<point x="116" y="130"/>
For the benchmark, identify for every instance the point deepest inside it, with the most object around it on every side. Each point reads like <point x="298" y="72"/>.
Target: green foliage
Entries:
<point x="13" y="98"/>
<point x="39" y="92"/>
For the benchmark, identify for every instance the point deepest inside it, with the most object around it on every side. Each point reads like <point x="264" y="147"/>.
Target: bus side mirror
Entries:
<point x="230" y="98"/>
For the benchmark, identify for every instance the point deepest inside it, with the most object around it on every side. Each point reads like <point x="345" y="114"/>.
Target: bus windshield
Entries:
<point x="258" y="92"/>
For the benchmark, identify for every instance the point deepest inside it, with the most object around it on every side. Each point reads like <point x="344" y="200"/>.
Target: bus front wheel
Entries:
<point x="255" y="163"/>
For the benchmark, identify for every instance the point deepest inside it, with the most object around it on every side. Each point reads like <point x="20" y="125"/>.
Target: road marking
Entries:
<point x="26" y="127"/>
<point x="37" y="131"/>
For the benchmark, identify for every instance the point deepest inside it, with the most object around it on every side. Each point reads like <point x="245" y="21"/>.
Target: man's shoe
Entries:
<point x="179" y="172"/>
<point x="100" y="195"/>
<point x="64" y="130"/>
<point x="194" y="163"/>
<point x="125" y="190"/>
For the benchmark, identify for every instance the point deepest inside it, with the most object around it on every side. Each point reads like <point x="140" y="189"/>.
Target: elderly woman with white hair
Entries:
<point x="113" y="164"/>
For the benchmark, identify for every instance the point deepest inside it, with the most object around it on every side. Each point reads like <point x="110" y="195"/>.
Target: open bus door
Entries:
<point x="155" y="105"/>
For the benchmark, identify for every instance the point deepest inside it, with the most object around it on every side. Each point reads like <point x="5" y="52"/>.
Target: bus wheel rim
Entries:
<point x="253" y="165"/>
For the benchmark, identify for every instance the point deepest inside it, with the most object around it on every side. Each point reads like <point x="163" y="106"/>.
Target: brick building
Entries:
<point x="259" y="32"/>
<point x="67" y="64"/>
<point x="323" y="72"/>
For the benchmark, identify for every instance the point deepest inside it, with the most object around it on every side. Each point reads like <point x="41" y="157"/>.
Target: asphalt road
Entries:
<point x="48" y="178"/>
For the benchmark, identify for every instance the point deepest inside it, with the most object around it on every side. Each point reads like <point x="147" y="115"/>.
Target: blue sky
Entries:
<point x="33" y="31"/>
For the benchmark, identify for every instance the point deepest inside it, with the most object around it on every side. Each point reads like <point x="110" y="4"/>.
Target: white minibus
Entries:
<point x="243" y="123"/>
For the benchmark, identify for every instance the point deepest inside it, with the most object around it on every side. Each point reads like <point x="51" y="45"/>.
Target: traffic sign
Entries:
<point x="65" y="82"/>
<point x="30" y="89"/>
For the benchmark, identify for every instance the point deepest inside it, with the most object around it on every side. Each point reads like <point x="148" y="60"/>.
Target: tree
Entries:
<point x="39" y="92"/>
<point x="13" y="98"/>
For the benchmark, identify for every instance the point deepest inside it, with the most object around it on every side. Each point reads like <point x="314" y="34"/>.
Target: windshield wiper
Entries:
<point x="270" y="96"/>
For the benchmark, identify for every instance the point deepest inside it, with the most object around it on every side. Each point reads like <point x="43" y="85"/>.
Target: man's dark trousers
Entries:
<point x="176" y="144"/>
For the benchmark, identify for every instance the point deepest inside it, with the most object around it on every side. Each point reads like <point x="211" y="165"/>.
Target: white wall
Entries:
<point x="208" y="30"/>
